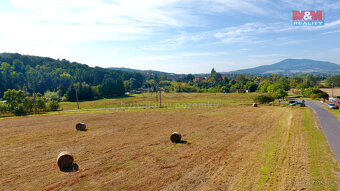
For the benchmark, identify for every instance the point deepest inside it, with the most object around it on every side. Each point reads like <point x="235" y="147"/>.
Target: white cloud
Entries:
<point x="52" y="26"/>
<point x="75" y="21"/>
<point x="247" y="33"/>
<point x="176" y="41"/>
<point x="199" y="54"/>
<point x="331" y="32"/>
<point x="267" y="56"/>
<point x="177" y="55"/>
<point x="84" y="20"/>
<point x="250" y="33"/>
<point x="147" y="13"/>
<point x="331" y="24"/>
<point x="247" y="7"/>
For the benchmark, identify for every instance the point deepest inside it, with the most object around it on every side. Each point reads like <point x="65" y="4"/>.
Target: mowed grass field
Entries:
<point x="168" y="99"/>
<point x="227" y="148"/>
<point x="336" y="91"/>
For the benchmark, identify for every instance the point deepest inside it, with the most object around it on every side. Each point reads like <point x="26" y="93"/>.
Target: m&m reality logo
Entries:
<point x="308" y="18"/>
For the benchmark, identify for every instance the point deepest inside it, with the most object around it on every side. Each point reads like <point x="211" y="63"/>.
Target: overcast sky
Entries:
<point x="181" y="36"/>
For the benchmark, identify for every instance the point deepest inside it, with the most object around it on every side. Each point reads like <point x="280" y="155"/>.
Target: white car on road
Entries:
<point x="332" y="106"/>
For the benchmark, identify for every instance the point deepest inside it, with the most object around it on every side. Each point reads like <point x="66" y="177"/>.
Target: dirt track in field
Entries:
<point x="131" y="150"/>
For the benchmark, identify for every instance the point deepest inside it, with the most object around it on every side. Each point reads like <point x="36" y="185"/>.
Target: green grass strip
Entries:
<point x="322" y="165"/>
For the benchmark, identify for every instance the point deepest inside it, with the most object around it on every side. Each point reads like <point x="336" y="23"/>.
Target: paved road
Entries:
<point x="330" y="124"/>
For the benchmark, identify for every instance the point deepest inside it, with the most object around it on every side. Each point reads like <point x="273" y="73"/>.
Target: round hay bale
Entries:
<point x="175" y="137"/>
<point x="81" y="126"/>
<point x="65" y="160"/>
<point x="254" y="104"/>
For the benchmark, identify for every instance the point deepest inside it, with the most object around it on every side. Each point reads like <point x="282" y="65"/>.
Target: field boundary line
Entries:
<point x="153" y="106"/>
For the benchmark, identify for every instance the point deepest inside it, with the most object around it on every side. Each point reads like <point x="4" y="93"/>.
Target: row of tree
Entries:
<point x="18" y="103"/>
<point x="275" y="85"/>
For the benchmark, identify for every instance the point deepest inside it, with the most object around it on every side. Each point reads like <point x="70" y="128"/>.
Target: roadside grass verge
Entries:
<point x="335" y="112"/>
<point x="296" y="155"/>
<point x="322" y="160"/>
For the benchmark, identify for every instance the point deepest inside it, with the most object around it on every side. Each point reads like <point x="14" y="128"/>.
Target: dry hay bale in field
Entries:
<point x="254" y="104"/>
<point x="175" y="137"/>
<point x="81" y="126"/>
<point x="65" y="160"/>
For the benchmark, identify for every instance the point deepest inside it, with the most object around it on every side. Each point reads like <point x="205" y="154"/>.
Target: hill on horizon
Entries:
<point x="284" y="67"/>
<point x="294" y="66"/>
<point x="141" y="71"/>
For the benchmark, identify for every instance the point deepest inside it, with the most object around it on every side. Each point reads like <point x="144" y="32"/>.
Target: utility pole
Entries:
<point x="160" y="97"/>
<point x="35" y="103"/>
<point x="332" y="88"/>
<point x="77" y="98"/>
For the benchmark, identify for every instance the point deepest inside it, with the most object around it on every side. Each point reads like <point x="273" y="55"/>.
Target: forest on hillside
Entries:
<point x="34" y="74"/>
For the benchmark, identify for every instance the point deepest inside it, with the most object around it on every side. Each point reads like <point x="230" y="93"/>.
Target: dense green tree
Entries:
<point x="71" y="94"/>
<point x="29" y="104"/>
<point x="263" y="99"/>
<point x="127" y="85"/>
<point x="151" y="85"/>
<point x="225" y="81"/>
<point x="280" y="94"/>
<point x="251" y="86"/>
<point x="274" y="77"/>
<point x="294" y="81"/>
<point x="163" y="77"/>
<point x="264" y="86"/>
<point x="41" y="103"/>
<point x="112" y="88"/>
<point x="53" y="105"/>
<point x="189" y="78"/>
<point x="302" y="86"/>
<point x="333" y="81"/>
<point x="215" y="78"/>
<point x="237" y="85"/>
<point x="164" y="83"/>
<point x="314" y="92"/>
<point x="65" y="81"/>
<point x="242" y="78"/>
<point x="3" y="108"/>
<point x="131" y="84"/>
<point x="52" y="96"/>
<point x="8" y="76"/>
<point x="82" y="90"/>
<point x="310" y="80"/>
<point x="14" y="99"/>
